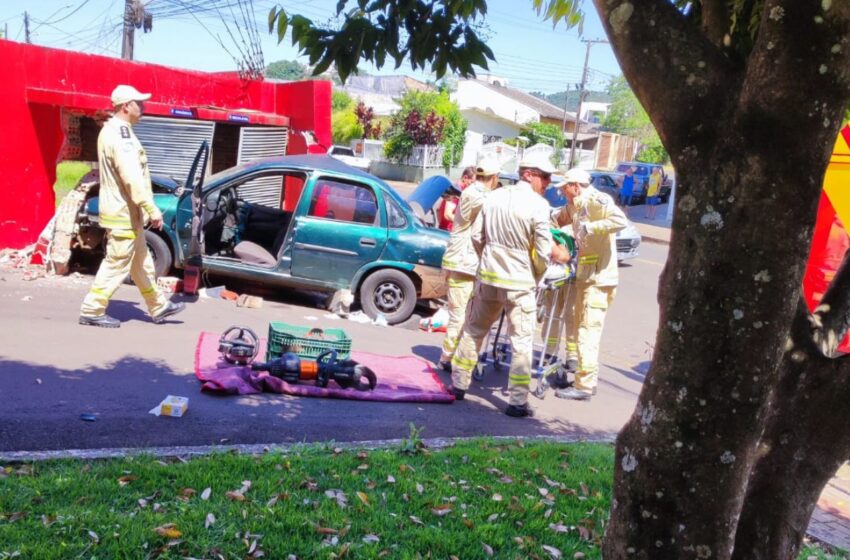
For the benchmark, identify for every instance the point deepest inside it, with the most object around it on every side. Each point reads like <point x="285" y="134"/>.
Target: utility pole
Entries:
<point x="129" y="28"/>
<point x="27" y="27"/>
<point x="589" y="43"/>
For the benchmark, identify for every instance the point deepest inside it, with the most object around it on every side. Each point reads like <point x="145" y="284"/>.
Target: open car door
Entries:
<point x="190" y="209"/>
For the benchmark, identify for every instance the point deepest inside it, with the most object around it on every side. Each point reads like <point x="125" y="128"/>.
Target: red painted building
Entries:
<point x="55" y="98"/>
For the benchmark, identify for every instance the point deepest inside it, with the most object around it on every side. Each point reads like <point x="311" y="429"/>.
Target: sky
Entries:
<point x="529" y="53"/>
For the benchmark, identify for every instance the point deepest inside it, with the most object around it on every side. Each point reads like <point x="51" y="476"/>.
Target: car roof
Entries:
<point x="302" y="161"/>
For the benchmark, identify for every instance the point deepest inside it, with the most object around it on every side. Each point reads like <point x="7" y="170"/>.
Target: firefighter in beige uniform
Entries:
<point x="125" y="203"/>
<point x="595" y="219"/>
<point x="461" y="258"/>
<point x="512" y="231"/>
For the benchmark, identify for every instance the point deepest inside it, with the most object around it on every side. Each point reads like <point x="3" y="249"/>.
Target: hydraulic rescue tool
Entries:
<point x="347" y="373"/>
<point x="239" y="345"/>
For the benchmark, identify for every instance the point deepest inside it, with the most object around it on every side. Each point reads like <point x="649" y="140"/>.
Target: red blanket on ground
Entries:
<point x="400" y="378"/>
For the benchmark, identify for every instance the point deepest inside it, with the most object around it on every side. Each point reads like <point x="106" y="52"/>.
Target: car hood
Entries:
<point x="429" y="191"/>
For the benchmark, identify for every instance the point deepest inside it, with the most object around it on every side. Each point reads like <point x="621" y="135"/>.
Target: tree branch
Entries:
<point x="788" y="29"/>
<point x="679" y="80"/>
<point x="715" y="20"/>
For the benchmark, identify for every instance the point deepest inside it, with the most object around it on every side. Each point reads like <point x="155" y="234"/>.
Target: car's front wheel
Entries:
<point x="390" y="293"/>
<point x="160" y="253"/>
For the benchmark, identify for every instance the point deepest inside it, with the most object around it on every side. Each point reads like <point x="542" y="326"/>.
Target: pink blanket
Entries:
<point x="400" y="378"/>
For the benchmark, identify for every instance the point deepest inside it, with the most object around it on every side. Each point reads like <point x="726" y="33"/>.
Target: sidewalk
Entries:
<point x="830" y="521"/>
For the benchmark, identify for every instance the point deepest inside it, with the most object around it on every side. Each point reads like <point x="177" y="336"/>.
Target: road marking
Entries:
<point x="649" y="262"/>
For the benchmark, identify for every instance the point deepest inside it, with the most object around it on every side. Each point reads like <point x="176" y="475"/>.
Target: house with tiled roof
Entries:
<point x="494" y="111"/>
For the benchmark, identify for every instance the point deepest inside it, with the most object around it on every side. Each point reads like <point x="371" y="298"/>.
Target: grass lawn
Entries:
<point x="68" y="174"/>
<point x="478" y="499"/>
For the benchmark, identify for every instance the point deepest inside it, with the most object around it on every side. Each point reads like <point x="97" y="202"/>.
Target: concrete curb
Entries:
<point x="259" y="448"/>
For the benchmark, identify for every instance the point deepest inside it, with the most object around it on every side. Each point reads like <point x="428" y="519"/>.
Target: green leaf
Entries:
<point x="272" y="15"/>
<point x="282" y="22"/>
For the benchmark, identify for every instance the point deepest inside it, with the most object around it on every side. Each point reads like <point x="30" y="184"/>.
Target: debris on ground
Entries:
<point x="340" y="302"/>
<point x="436" y="322"/>
<point x="251" y="302"/>
<point x="170" y="284"/>
<point x="171" y="405"/>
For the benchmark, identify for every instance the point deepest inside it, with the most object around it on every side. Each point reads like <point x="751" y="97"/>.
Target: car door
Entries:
<point x="343" y="229"/>
<point x="188" y="216"/>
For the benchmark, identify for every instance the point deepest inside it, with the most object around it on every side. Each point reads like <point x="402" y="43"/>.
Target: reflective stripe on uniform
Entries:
<point x="115" y="222"/>
<point x="495" y="279"/>
<point x="462" y="363"/>
<point x="519" y="379"/>
<point x="588" y="259"/>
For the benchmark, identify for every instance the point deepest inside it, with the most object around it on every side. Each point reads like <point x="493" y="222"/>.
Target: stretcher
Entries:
<point x="552" y="292"/>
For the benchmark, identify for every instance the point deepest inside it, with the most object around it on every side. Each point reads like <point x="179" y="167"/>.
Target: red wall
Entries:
<point x="39" y="81"/>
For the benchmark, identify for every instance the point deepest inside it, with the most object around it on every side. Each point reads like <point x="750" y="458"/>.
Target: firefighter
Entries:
<point x="512" y="232"/>
<point x="595" y="219"/>
<point x="126" y="203"/>
<point x="461" y="259"/>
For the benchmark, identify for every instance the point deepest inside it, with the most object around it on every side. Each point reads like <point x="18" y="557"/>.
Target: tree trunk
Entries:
<point x="806" y="436"/>
<point x="729" y="291"/>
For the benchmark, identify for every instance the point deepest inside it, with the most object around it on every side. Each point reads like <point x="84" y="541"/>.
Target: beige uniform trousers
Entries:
<point x="521" y="310"/>
<point x="591" y="305"/>
<point x="460" y="293"/>
<point x="126" y="251"/>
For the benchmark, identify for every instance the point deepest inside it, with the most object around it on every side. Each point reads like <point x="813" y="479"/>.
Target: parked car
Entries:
<point x="345" y="229"/>
<point x="347" y="155"/>
<point x="642" y="172"/>
<point x="628" y="239"/>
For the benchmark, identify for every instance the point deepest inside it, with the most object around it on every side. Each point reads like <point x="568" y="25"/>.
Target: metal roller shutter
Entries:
<point x="260" y="142"/>
<point x="171" y="144"/>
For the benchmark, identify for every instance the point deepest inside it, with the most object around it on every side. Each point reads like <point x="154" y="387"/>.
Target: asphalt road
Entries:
<point x="52" y="370"/>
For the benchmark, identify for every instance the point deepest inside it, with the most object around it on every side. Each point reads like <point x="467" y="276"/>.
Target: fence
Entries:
<point x="422" y="156"/>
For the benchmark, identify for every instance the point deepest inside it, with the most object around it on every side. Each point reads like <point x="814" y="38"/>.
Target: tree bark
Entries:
<point x="805" y="442"/>
<point x="806" y="438"/>
<point x="737" y="255"/>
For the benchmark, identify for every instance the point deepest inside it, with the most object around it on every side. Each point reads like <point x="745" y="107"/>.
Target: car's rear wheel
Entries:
<point x="388" y="292"/>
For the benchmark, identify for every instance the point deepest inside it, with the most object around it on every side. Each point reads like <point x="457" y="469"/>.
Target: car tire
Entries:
<point x="160" y="254"/>
<point x="388" y="292"/>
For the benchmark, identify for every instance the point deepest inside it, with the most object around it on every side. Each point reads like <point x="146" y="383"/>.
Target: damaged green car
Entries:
<point x="303" y="222"/>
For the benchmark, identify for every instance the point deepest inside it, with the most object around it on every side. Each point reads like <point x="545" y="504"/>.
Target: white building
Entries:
<point x="495" y="111"/>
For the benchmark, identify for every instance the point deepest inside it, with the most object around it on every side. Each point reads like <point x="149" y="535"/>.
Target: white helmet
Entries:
<point x="538" y="161"/>
<point x="576" y="175"/>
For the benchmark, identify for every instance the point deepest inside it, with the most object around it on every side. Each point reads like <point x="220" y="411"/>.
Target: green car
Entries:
<point x="303" y="222"/>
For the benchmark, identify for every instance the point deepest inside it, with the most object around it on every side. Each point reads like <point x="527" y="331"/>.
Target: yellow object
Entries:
<point x="171" y="406"/>
<point x="460" y="293"/>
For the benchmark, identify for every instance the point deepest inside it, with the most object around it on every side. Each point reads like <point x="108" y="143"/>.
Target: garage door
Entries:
<point x="171" y="144"/>
<point x="259" y="142"/>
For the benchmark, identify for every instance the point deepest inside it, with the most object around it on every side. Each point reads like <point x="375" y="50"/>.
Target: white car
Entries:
<point x="347" y="156"/>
